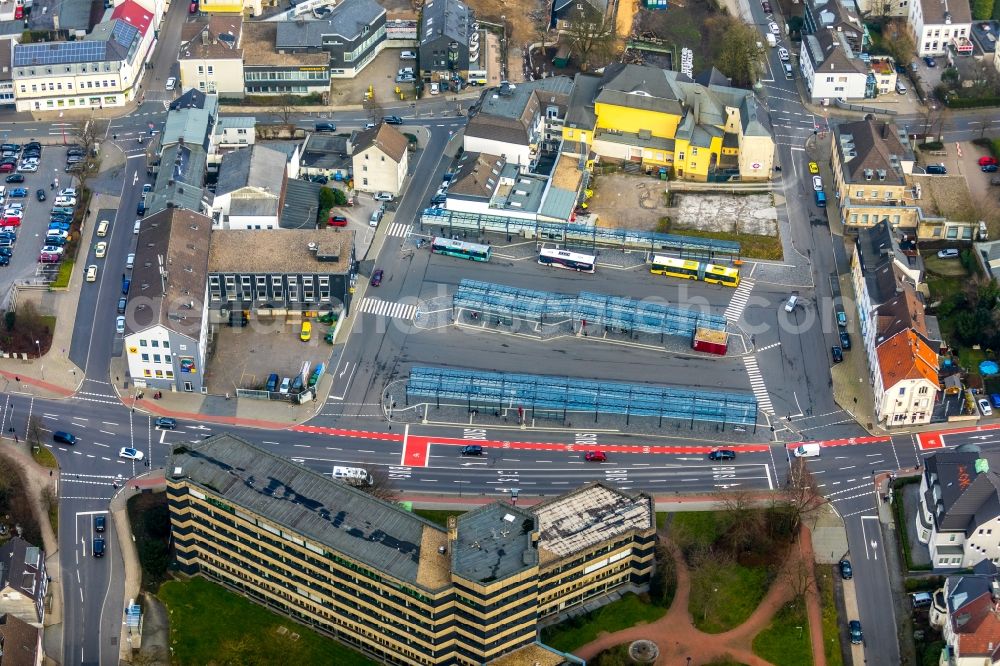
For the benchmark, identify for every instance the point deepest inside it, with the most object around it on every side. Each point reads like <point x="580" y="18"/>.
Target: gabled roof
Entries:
<point x="256" y="166"/>
<point x="959" y="483"/>
<point x="831" y="53"/>
<point x="478" y="175"/>
<point x="447" y="19"/>
<point x="639" y="87"/>
<point x="934" y="11"/>
<point x="872" y="151"/>
<point x="111" y="41"/>
<point x="906" y="356"/>
<point x="904" y="311"/>
<point x="22" y="568"/>
<point x="134" y="14"/>
<point x="506" y="114"/>
<point x="580" y="109"/>
<point x="171" y="298"/>
<point x="180" y="179"/>
<point x="385" y="138"/>
<point x="217" y="38"/>
<point x="19" y="640"/>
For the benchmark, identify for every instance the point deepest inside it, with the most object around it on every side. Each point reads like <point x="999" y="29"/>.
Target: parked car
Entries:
<point x="766" y="6"/>
<point x="171" y="83"/>
<point x="122" y="302"/>
<point x="595" y="456"/>
<point x="382" y="196"/>
<point x="936" y="169"/>
<point x="773" y="27"/>
<point x="984" y="407"/>
<point x="845" y="340"/>
<point x="99" y="523"/>
<point x="101" y="249"/>
<point x="837" y="353"/>
<point x="128" y="453"/>
<point x="408" y="55"/>
<point x="92" y="273"/>
<point x="813" y="168"/>
<point x="286" y="384"/>
<point x="337" y="221"/>
<point x="854" y="627"/>
<point x="377" y="277"/>
<point x="722" y="454"/>
<point x="995" y="399"/>
<point x="930" y="62"/>
<point x="48" y="257"/>
<point x="817" y="184"/>
<point x="306" y="332"/>
<point x="17" y="192"/>
<point x="15" y="178"/>
<point x="40" y="194"/>
<point x="783" y="54"/>
<point x="99" y="547"/>
<point x="119" y="324"/>
<point x="846" y="571"/>
<point x="950" y="253"/>
<point x="987" y="160"/>
<point x="988" y="168"/>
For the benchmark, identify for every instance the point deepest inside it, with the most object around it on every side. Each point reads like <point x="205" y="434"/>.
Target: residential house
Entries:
<point x="940" y="25"/>
<point x="353" y="34"/>
<point x="183" y="146"/>
<point x="879" y="9"/>
<point x="967" y="611"/>
<point x="250" y="190"/>
<point x="906" y="382"/>
<point x="104" y="68"/>
<point x="249" y="7"/>
<point x="325" y="154"/>
<point x="831" y="69"/>
<point x="167" y="324"/>
<point x="871" y="159"/>
<point x="839" y="16"/>
<point x="520" y="121"/>
<point x="947" y="210"/>
<point x="24" y="582"/>
<point x="270" y="72"/>
<point x="6" y="71"/>
<point x="380" y="159"/>
<point x="960" y="508"/>
<point x="435" y="597"/>
<point x="884" y="70"/>
<point x="230" y="133"/>
<point x="211" y="57"/>
<point x="445" y="35"/>
<point x="49" y="15"/>
<point x="20" y="643"/>
<point x="565" y="13"/>
<point x="280" y="272"/>
<point x="180" y="179"/>
<point x="654" y="118"/>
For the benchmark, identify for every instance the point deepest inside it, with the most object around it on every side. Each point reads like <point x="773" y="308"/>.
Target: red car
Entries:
<point x="10" y="222"/>
<point x="595" y="456"/>
<point x="337" y="221"/>
<point x="193" y="9"/>
<point x="49" y="258"/>
<point x="7" y="167"/>
<point x="377" y="278"/>
<point x="18" y="13"/>
<point x="986" y="160"/>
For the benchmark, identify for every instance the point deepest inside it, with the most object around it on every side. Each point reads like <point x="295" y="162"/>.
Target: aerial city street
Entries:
<point x="467" y="332"/>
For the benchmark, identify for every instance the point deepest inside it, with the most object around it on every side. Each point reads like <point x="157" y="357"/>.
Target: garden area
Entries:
<point x="249" y="634"/>
<point x="27" y="331"/>
<point x="150" y="519"/>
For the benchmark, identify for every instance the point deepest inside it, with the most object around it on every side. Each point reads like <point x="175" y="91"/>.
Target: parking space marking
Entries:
<point x="377" y="306"/>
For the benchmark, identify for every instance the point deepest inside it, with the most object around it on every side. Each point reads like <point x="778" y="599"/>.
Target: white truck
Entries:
<point x="772" y="41"/>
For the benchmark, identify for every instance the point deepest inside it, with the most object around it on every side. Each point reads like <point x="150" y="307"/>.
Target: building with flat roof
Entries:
<point x="280" y="271"/>
<point x="267" y="71"/>
<point x="388" y="582"/>
<point x="166" y="320"/>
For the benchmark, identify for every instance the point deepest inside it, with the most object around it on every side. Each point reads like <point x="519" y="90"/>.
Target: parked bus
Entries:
<point x="461" y="249"/>
<point x="583" y="263"/>
<point x="695" y="270"/>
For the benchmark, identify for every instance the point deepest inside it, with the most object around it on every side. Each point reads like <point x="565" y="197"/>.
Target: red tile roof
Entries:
<point x="984" y="641"/>
<point x="906" y="356"/>
<point x="133" y="14"/>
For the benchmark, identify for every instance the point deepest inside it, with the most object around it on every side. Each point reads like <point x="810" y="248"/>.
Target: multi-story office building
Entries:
<point x="353" y="35"/>
<point x="391" y="583"/>
<point x="270" y="72"/>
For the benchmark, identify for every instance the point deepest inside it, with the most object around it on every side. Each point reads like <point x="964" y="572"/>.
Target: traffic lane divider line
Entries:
<point x="607" y="448"/>
<point x="338" y="432"/>
<point x="850" y="441"/>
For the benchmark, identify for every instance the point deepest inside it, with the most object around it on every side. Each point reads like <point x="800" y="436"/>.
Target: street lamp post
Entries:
<point x="38" y="346"/>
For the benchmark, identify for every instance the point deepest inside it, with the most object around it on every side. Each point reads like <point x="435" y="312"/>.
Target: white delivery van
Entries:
<point x="772" y="41"/>
<point x="808" y="450"/>
<point x="355" y="476"/>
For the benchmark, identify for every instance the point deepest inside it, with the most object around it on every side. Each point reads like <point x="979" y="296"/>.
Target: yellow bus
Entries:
<point x="728" y="277"/>
<point x="695" y="270"/>
<point x="680" y="268"/>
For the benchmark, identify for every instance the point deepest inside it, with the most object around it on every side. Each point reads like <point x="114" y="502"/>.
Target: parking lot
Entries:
<point x="244" y="357"/>
<point x="49" y="177"/>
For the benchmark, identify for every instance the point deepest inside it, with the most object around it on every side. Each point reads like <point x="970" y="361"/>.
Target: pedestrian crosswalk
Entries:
<point x="399" y="230"/>
<point x="739" y="301"/>
<point x="377" y="306"/>
<point x="757" y="385"/>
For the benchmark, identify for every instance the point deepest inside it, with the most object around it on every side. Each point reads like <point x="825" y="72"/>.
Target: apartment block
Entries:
<point x="387" y="582"/>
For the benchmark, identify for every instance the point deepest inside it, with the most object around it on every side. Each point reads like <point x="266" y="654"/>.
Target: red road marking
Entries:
<point x="415" y="452"/>
<point x="935" y="440"/>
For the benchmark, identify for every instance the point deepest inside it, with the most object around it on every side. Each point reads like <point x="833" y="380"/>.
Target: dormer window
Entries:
<point x="868" y="174"/>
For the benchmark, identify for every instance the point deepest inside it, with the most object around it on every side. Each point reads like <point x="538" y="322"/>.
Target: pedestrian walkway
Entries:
<point x="377" y="306"/>
<point x="738" y="303"/>
<point x="757" y="385"/>
<point x="399" y="230"/>
<point x="678" y="639"/>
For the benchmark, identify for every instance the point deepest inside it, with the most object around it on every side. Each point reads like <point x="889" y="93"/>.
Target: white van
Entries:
<point x="375" y="218"/>
<point x="102" y="228"/>
<point x="808" y="450"/>
<point x="355" y="476"/>
<point x="135" y="228"/>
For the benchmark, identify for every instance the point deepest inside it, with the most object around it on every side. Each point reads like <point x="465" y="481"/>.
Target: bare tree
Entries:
<point x="285" y="109"/>
<point x="800" y="497"/>
<point x="89" y="134"/>
<point x="738" y="51"/>
<point x="591" y="36"/>
<point x="744" y="519"/>
<point x="664" y="581"/>
<point x="798" y="575"/>
<point x="878" y="11"/>
<point x="709" y="568"/>
<point x="34" y="434"/>
<point x="381" y="485"/>
<point x="897" y="40"/>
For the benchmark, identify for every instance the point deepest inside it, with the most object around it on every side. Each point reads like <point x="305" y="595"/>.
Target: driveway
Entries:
<point x="985" y="197"/>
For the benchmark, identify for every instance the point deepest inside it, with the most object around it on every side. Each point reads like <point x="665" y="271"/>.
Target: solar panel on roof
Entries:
<point x="59" y="53"/>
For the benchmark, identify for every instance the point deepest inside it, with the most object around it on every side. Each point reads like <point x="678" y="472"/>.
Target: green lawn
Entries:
<point x="752" y="246"/>
<point x="728" y="597"/>
<point x="785" y="642"/>
<point x="628" y="611"/>
<point x="831" y="628"/>
<point x="44" y="457"/>
<point x="64" y="274"/>
<point x="210" y="625"/>
<point x="697" y="527"/>
<point x="661" y="519"/>
<point x="437" y="516"/>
